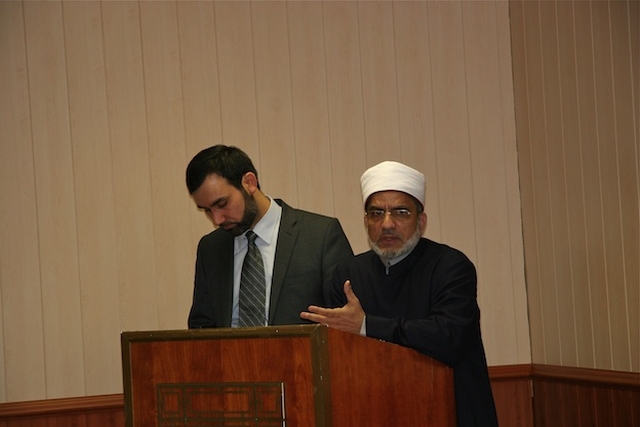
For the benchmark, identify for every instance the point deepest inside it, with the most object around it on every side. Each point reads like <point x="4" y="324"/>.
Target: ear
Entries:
<point x="422" y="221"/>
<point x="250" y="182"/>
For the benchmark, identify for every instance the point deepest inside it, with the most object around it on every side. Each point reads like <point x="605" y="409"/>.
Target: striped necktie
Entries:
<point x="252" y="286"/>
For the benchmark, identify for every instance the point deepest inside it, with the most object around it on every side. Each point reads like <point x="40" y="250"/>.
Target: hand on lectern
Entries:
<point x="347" y="318"/>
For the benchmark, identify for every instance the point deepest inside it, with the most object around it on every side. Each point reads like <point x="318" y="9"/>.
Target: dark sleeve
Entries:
<point x="201" y="314"/>
<point x="336" y="249"/>
<point x="449" y="325"/>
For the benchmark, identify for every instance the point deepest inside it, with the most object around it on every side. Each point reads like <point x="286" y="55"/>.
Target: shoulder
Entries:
<point x="442" y="257"/>
<point x="293" y="215"/>
<point x="432" y="248"/>
<point x="216" y="238"/>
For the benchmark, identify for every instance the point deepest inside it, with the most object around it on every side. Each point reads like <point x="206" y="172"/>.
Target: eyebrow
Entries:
<point x="378" y="208"/>
<point x="215" y="203"/>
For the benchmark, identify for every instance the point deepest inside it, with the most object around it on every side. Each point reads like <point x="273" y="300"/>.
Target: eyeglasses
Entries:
<point x="397" y="214"/>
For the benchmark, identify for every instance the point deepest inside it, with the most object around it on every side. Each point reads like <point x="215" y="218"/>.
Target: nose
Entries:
<point x="387" y="221"/>
<point x="216" y="217"/>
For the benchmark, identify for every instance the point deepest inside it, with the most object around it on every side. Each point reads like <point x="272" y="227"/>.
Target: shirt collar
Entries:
<point x="267" y="224"/>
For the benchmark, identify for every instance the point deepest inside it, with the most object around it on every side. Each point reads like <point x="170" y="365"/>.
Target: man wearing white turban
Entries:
<point x="412" y="291"/>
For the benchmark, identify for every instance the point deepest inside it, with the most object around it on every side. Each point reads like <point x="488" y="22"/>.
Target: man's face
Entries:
<point x="227" y="207"/>
<point x="393" y="223"/>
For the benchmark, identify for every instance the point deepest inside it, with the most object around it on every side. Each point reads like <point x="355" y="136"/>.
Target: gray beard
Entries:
<point x="403" y="250"/>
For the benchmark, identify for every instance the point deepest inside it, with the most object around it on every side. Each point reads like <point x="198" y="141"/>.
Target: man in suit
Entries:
<point x="299" y="250"/>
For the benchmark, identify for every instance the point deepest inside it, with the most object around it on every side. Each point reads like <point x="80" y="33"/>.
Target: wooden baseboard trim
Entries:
<point x="565" y="373"/>
<point x="62" y="406"/>
<point x="498" y="374"/>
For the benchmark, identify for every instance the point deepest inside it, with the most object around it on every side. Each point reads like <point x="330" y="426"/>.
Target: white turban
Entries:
<point x="392" y="176"/>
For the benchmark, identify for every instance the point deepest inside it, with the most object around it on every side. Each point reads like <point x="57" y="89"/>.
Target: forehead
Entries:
<point x="390" y="199"/>
<point x="213" y="188"/>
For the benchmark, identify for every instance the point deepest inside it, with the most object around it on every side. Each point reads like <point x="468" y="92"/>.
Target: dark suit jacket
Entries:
<point x="309" y="247"/>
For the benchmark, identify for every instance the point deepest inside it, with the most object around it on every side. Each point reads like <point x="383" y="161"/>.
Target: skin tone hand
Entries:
<point x="347" y="318"/>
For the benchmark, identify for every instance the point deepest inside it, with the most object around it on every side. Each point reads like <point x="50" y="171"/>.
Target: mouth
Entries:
<point x="228" y="226"/>
<point x="388" y="239"/>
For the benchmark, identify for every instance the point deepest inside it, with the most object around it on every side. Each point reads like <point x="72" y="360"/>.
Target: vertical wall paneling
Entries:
<point x="627" y="161"/>
<point x="22" y="374"/>
<point x="608" y="144"/>
<point x="451" y="125"/>
<point x="555" y="157"/>
<point x="590" y="176"/>
<point x="575" y="194"/>
<point x="136" y="257"/>
<point x="523" y="133"/>
<point x="486" y="152"/>
<point x="95" y="211"/>
<point x="236" y="73"/>
<point x="593" y="183"/>
<point x="415" y="102"/>
<point x="310" y="107"/>
<point x="541" y="140"/>
<point x="201" y="92"/>
<point x="103" y="104"/>
<point x="379" y="81"/>
<point x="629" y="176"/>
<point x="270" y="41"/>
<point x="512" y="183"/>
<point x="578" y="155"/>
<point x="167" y="159"/>
<point x="55" y="199"/>
<point x="346" y="116"/>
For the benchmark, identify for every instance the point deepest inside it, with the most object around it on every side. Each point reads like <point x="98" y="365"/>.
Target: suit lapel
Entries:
<point x="287" y="236"/>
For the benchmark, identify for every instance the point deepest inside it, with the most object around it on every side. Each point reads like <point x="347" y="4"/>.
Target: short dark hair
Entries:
<point x="227" y="162"/>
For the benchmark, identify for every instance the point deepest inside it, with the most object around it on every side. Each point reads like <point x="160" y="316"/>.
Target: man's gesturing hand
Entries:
<point x="347" y="318"/>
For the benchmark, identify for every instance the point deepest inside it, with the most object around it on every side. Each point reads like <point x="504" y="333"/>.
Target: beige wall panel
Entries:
<point x="451" y="125"/>
<point x="22" y="364"/>
<point x="136" y="257"/>
<point x="560" y="266"/>
<point x="379" y="81"/>
<point x="273" y="100"/>
<point x="340" y="86"/>
<point x="483" y="81"/>
<point x="514" y="207"/>
<point x="579" y="300"/>
<point x="310" y="109"/>
<point x="610" y="201"/>
<point x="625" y="46"/>
<point x="201" y="93"/>
<point x="541" y="186"/>
<point x="346" y="116"/>
<point x="626" y="292"/>
<point x="56" y="205"/>
<point x="167" y="156"/>
<point x="593" y="214"/>
<point x="610" y="140"/>
<point x="523" y="127"/>
<point x="237" y="77"/>
<point x="94" y="195"/>
<point x="580" y="85"/>
<point x="415" y="102"/>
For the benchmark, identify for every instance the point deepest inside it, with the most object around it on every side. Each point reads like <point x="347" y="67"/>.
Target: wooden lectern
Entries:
<point x="293" y="376"/>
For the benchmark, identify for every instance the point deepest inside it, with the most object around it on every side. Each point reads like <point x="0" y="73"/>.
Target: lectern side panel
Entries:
<point x="381" y="384"/>
<point x="231" y="376"/>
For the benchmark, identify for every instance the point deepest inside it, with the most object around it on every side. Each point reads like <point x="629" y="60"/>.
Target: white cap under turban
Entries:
<point x="394" y="176"/>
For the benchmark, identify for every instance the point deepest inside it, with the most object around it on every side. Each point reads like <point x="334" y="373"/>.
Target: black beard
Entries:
<point x="248" y="216"/>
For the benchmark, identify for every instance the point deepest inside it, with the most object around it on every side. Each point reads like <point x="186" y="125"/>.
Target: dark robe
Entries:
<point x="427" y="302"/>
